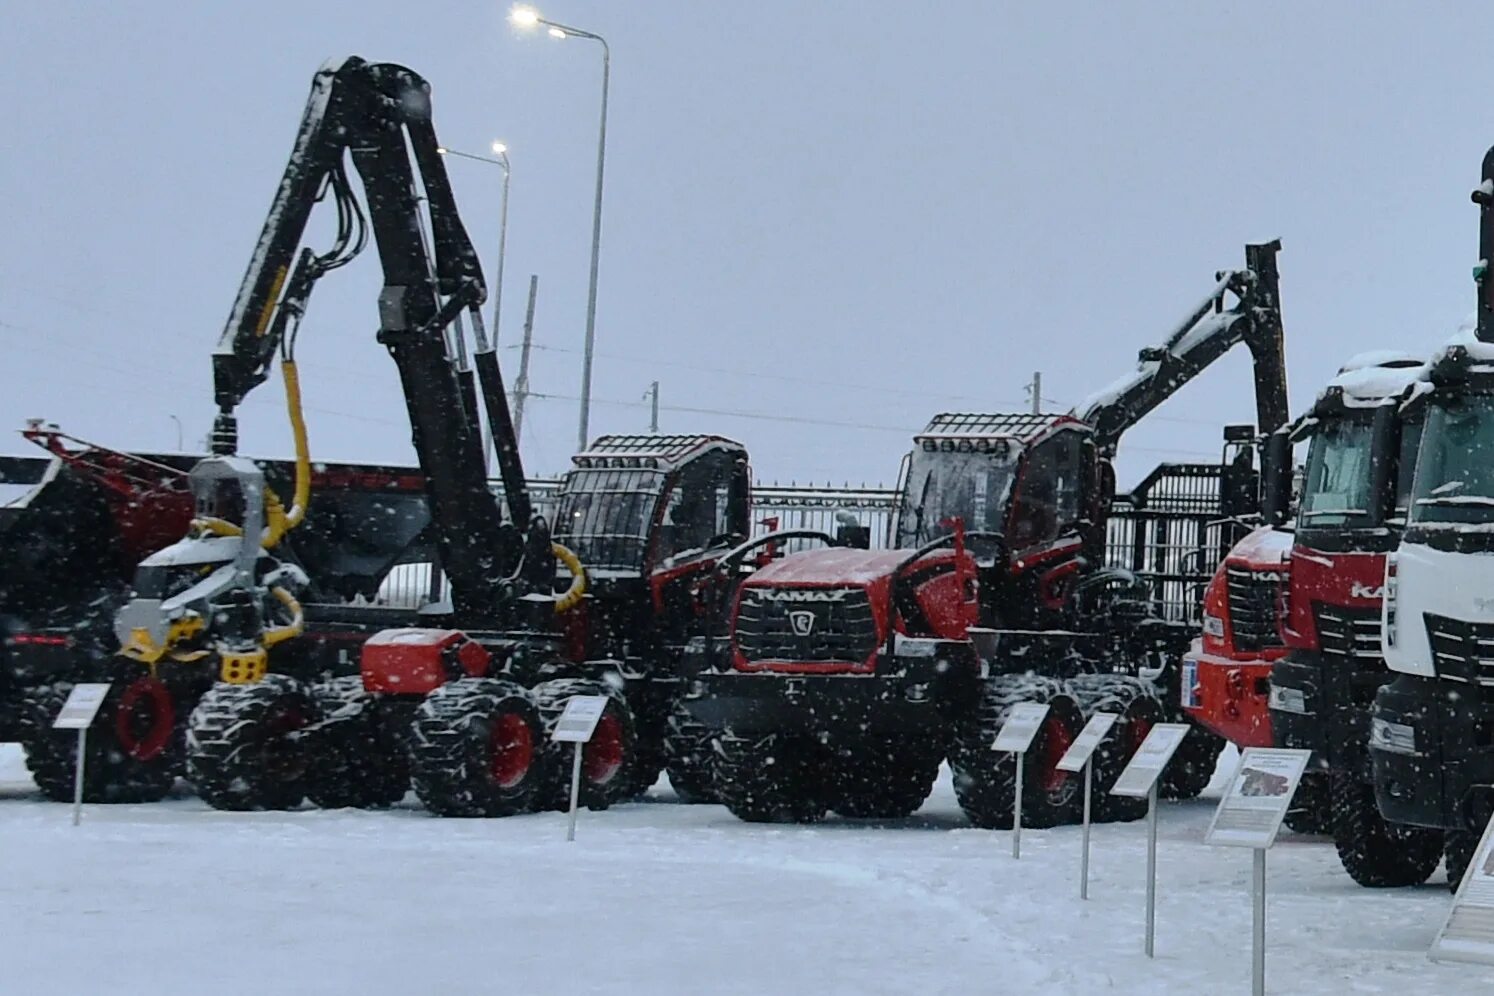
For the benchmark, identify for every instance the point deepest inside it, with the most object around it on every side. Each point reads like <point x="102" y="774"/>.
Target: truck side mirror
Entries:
<point x="1276" y="479"/>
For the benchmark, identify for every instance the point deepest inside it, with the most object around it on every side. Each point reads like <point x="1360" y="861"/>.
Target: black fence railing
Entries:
<point x="1169" y="530"/>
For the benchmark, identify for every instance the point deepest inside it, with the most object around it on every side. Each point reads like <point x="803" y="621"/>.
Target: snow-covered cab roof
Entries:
<point x="659" y="452"/>
<point x="977" y="430"/>
<point x="1370" y="379"/>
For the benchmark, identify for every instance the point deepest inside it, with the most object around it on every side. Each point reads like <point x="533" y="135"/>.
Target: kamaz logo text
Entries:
<point x="1359" y="590"/>
<point x="802" y="620"/>
<point x="800" y="594"/>
<point x="1268" y="576"/>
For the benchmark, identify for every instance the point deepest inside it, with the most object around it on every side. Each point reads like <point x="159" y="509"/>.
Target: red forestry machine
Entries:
<point x="347" y="702"/>
<point x="849" y="675"/>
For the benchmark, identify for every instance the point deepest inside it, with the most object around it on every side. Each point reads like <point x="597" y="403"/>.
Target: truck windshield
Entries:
<point x="942" y="485"/>
<point x="1336" y="490"/>
<point x="604" y="515"/>
<point x="1454" y="473"/>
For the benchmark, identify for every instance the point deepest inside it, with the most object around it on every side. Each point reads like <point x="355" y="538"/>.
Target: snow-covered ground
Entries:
<point x="657" y="897"/>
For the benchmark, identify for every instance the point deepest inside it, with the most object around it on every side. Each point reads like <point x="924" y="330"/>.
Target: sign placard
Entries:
<point x="1146" y="765"/>
<point x="579" y="720"/>
<point x="1468" y="933"/>
<point x="1252" y="810"/>
<point x="1085" y="743"/>
<point x="81" y="706"/>
<point x="1023" y="721"/>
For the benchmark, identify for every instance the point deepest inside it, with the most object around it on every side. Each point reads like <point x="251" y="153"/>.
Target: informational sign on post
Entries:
<point x="575" y="726"/>
<point x="1083" y="747"/>
<point x="1250" y="815"/>
<point x="1022" y="723"/>
<point x="77" y="713"/>
<point x="1145" y="767"/>
<point x="1251" y="812"/>
<point x="1077" y="758"/>
<point x="1140" y="779"/>
<point x="1468" y="933"/>
<point x="81" y="706"/>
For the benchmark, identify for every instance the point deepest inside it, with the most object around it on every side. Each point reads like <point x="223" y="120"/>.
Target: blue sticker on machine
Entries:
<point x="1189" y="685"/>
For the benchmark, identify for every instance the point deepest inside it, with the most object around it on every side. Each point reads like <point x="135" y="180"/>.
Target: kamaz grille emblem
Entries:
<point x="802" y="621"/>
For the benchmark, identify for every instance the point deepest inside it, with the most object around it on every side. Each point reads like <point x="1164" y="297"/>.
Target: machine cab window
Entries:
<point x="699" y="506"/>
<point x="1049" y="492"/>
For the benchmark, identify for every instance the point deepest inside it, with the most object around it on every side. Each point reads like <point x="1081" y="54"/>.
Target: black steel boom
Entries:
<point x="379" y="114"/>
<point x="1210" y="331"/>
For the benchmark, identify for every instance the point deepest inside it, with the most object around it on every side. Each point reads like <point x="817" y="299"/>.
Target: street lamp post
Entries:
<point x="528" y="17"/>
<point x="501" y="151"/>
<point x="483" y="344"/>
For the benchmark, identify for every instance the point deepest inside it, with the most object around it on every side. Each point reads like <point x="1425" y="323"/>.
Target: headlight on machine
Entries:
<point x="1288" y="700"/>
<point x="1213" y="626"/>
<point x="1394" y="738"/>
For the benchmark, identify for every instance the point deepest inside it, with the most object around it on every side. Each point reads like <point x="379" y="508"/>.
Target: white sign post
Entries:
<point x="1468" y="933"/>
<point x="1022" y="723"/>
<point x="77" y="714"/>
<point x="576" y="725"/>
<point x="1140" y="779"/>
<point x="1250" y="815"/>
<point x="1077" y="757"/>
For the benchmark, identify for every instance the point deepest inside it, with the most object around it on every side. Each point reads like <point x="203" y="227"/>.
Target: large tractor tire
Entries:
<point x="1136" y="703"/>
<point x="357" y="763"/>
<point x="884" y="778"/>
<point x="1377" y="854"/>
<point x="690" y="757"/>
<point x="1192" y="767"/>
<point x="1311" y="810"/>
<point x="1457" y="850"/>
<point x="241" y="751"/>
<point x="985" y="781"/>
<point x="771" y="779"/>
<point x="135" y="744"/>
<point x="605" y="759"/>
<point x="475" y="749"/>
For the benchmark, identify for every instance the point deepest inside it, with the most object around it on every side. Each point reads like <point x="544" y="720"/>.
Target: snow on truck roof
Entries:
<point x="661" y="452"/>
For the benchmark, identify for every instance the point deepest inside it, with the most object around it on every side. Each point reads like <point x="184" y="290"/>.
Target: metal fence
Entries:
<point x="1169" y="530"/>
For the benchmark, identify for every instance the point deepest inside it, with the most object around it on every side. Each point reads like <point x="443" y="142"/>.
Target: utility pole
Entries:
<point x="521" y="384"/>
<point x="1036" y="390"/>
<point x="653" y="396"/>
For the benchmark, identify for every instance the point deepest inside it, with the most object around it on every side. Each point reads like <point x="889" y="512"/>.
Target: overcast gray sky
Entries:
<point x="837" y="218"/>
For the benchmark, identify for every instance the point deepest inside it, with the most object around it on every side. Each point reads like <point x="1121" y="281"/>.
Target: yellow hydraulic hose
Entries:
<point x="278" y="634"/>
<point x="278" y="521"/>
<point x="572" y="595"/>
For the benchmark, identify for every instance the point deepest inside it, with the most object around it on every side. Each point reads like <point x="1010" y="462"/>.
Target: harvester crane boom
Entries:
<point x="1209" y="331"/>
<point x="379" y="114"/>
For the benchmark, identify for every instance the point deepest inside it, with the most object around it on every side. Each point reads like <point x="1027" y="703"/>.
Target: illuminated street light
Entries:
<point x="528" y="17"/>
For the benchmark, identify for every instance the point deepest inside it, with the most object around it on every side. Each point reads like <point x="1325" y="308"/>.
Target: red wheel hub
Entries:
<point x="1140" y="727"/>
<point x="603" y="757"/>
<point x="510" y="750"/>
<point x="144" y="719"/>
<point x="283" y="759"/>
<point x="1057" y="738"/>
